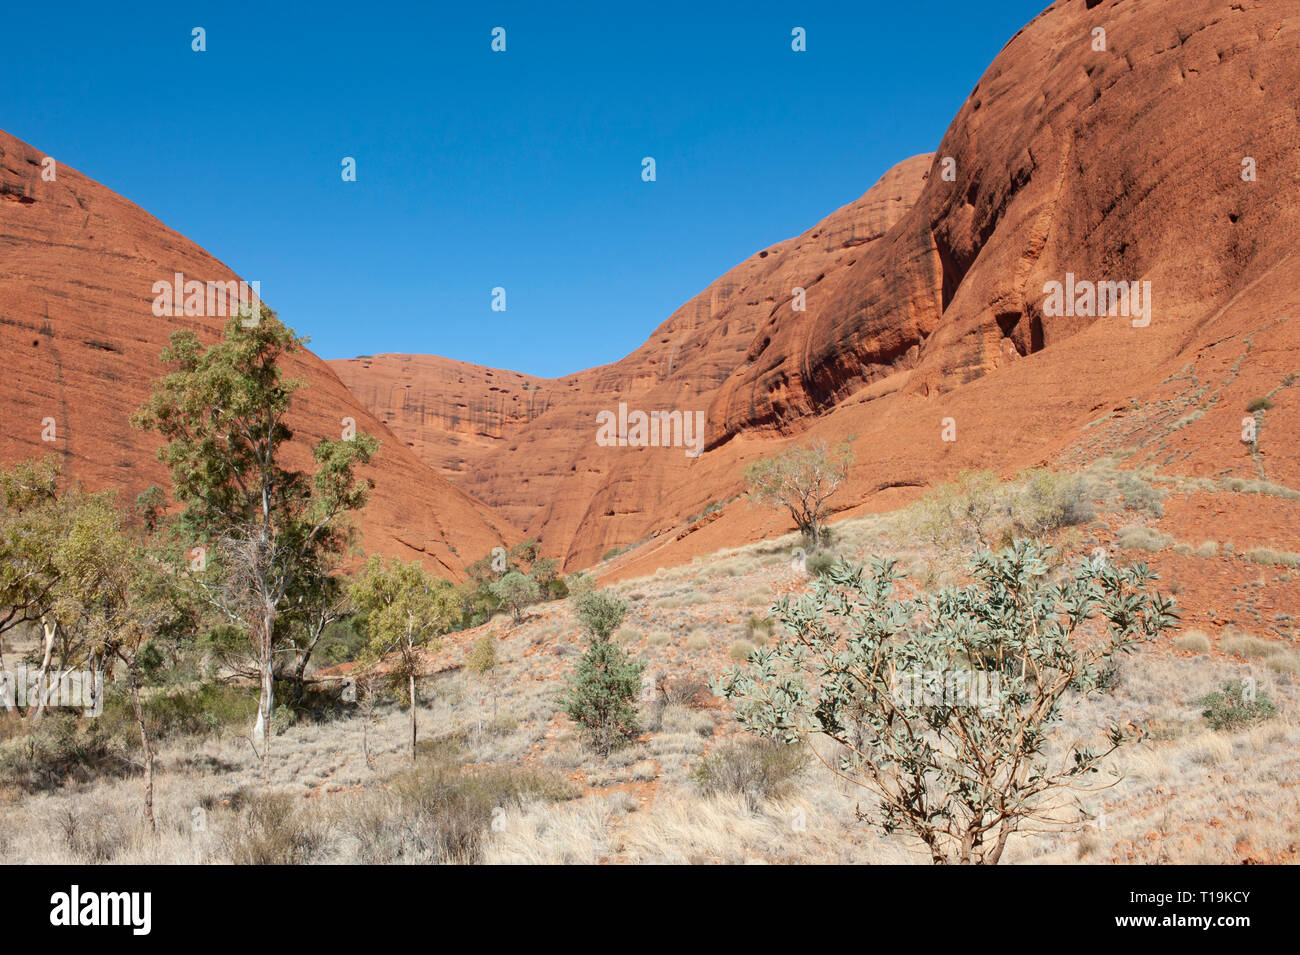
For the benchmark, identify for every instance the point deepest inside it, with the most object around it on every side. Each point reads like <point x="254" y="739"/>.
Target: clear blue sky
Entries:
<point x="478" y="169"/>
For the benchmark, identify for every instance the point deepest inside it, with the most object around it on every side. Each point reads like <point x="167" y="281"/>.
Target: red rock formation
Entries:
<point x="925" y="301"/>
<point x="81" y="345"/>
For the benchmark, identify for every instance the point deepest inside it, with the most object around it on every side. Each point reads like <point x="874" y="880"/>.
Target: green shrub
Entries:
<point x="599" y="611"/>
<point x="1044" y="502"/>
<point x="1235" y="705"/>
<point x="858" y="661"/>
<point x="756" y="768"/>
<point x="601" y="694"/>
<point x="1260" y="404"/>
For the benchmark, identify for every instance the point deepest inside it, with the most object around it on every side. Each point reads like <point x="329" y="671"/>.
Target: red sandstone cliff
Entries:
<point x="925" y="301"/>
<point x="81" y="345"/>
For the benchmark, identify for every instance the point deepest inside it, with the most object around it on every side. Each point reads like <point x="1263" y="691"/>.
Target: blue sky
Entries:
<point x="478" y="169"/>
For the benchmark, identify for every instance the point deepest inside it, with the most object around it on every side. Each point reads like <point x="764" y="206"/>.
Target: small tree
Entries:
<point x="122" y="594"/>
<point x="517" y="592"/>
<point x="601" y="693"/>
<point x="942" y="705"/>
<point x="222" y="411"/>
<point x="801" y="480"/>
<point x="482" y="662"/>
<point x="401" y="609"/>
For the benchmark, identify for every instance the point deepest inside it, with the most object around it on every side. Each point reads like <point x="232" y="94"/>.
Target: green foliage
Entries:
<point x="801" y="480"/>
<point x="275" y="534"/>
<point x="600" y="612"/>
<point x="943" y="704"/>
<point x="1236" y="705"/>
<point x="1260" y="404"/>
<point x="600" y="695"/>
<point x="516" y="592"/>
<point x="400" y="609"/>
<point x="532" y="578"/>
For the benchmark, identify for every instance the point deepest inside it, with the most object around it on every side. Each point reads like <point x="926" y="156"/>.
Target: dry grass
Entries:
<point x="1184" y="793"/>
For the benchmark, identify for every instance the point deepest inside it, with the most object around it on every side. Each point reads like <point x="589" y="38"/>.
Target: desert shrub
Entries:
<point x="272" y="830"/>
<point x="483" y="655"/>
<point x="600" y="696"/>
<point x="756" y="768"/>
<point x="759" y="629"/>
<point x="60" y="749"/>
<point x="800" y="480"/>
<point x="1044" y="502"/>
<point x="741" y="649"/>
<point x="1244" y="645"/>
<point x="1262" y="403"/>
<point x="516" y="592"/>
<point x="1137" y="495"/>
<point x="626" y="635"/>
<point x="1270" y="557"/>
<point x="698" y="640"/>
<point x="441" y="811"/>
<point x="94" y="837"/>
<point x="936" y="765"/>
<point x="679" y="689"/>
<point x="208" y="710"/>
<point x="1235" y="705"/>
<point x="966" y="511"/>
<point x="1192" y="641"/>
<point x="819" y="564"/>
<point x="1138" y="537"/>
<point x="599" y="612"/>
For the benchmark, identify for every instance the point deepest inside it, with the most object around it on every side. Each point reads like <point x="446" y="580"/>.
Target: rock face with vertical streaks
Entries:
<point x="1126" y="161"/>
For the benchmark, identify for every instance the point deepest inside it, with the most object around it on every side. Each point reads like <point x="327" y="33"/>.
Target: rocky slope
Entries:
<point x="1163" y="153"/>
<point x="81" y="346"/>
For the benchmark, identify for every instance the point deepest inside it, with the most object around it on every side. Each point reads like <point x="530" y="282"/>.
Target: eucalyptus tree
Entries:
<point x="261" y="526"/>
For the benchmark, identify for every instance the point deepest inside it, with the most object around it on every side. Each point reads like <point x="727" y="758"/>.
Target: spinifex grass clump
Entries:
<point x="943" y="704"/>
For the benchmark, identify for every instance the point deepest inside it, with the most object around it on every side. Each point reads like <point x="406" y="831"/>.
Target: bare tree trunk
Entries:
<point x="266" y="703"/>
<point x="50" y="629"/>
<point x="411" y="679"/>
<point x="146" y="746"/>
